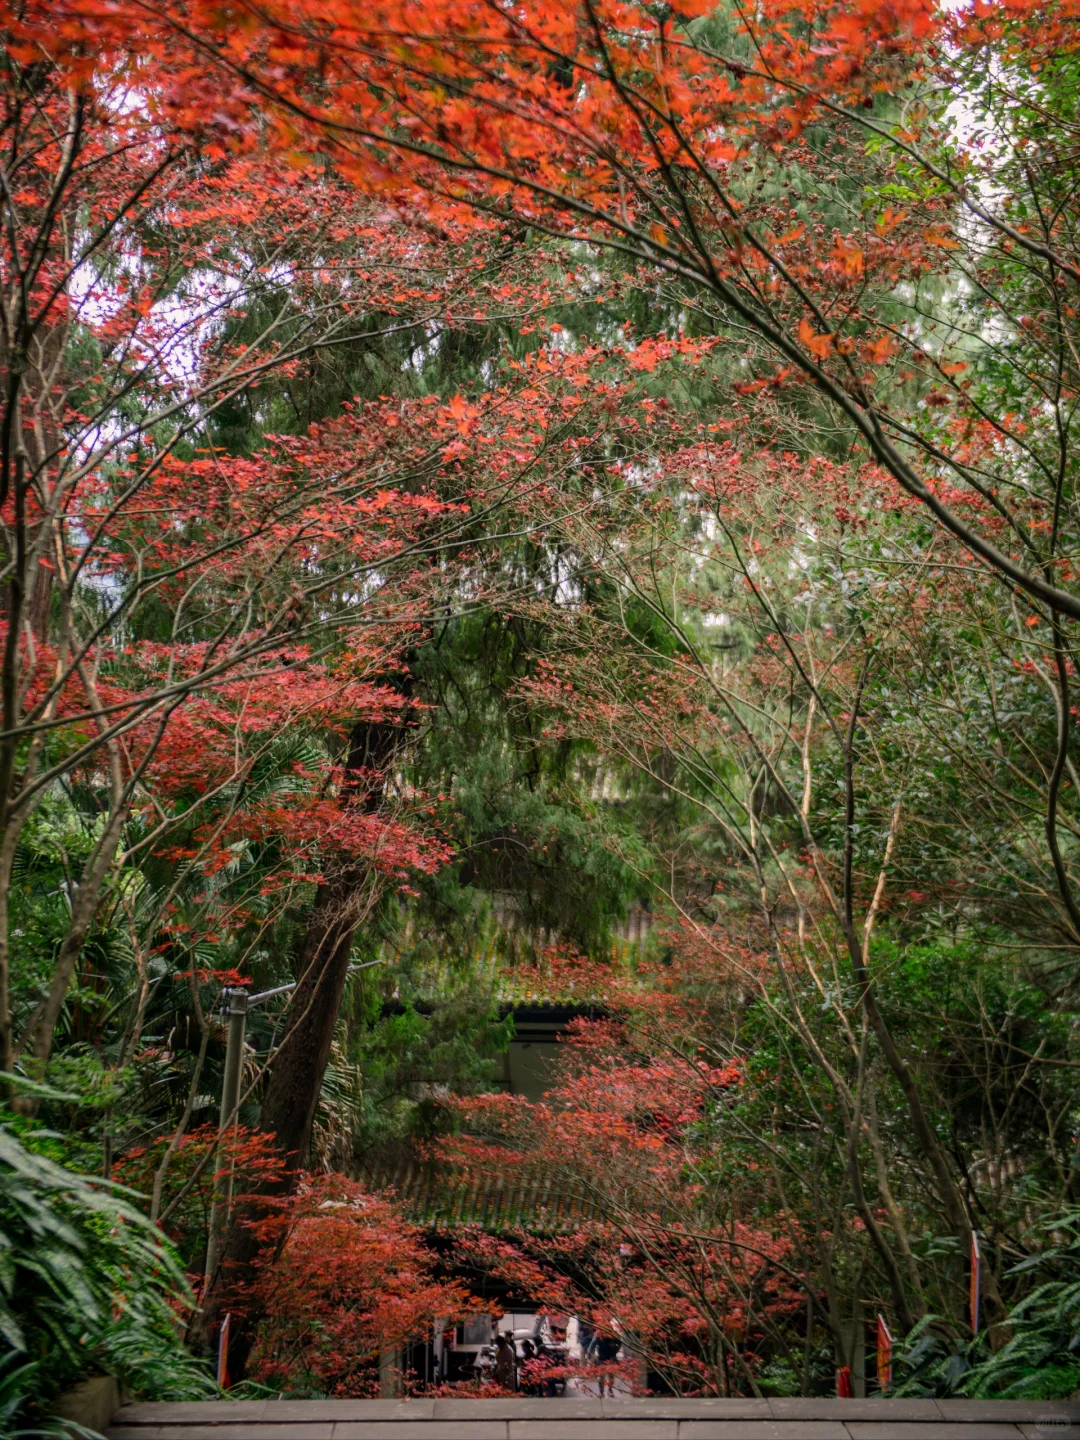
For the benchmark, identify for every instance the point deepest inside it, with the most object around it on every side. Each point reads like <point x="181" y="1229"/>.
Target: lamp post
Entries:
<point x="236" y="1005"/>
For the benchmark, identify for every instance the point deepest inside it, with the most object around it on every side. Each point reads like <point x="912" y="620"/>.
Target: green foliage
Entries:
<point x="931" y="1362"/>
<point x="1041" y="1358"/>
<point x="518" y="807"/>
<point x="778" y="1377"/>
<point x="19" y="1382"/>
<point x="86" y="1282"/>
<point x="414" y="1055"/>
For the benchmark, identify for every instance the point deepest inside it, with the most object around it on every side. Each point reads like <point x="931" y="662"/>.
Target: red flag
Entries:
<point x="884" y="1354"/>
<point x="843" y="1382"/>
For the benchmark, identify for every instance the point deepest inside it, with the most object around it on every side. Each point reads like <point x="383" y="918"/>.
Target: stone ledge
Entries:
<point x="779" y="1419"/>
<point x="92" y="1404"/>
<point x="627" y="1427"/>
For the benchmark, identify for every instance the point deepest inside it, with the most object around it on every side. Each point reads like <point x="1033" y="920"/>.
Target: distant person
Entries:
<point x="506" y="1361"/>
<point x="528" y="1359"/>
<point x="546" y="1360"/>
<point x="586" y="1339"/>
<point x="606" y="1352"/>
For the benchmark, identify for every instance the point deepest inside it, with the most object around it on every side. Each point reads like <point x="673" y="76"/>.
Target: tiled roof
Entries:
<point x="438" y="1198"/>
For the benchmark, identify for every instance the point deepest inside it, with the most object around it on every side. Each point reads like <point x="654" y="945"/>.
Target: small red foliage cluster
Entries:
<point x="246" y="1157"/>
<point x="351" y="1279"/>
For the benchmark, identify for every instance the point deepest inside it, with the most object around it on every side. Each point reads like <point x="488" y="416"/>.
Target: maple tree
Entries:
<point x="185" y="606"/>
<point x="671" y="136"/>
<point x="784" y="569"/>
<point x="549" y="425"/>
<point x="711" y="148"/>
<point x="770" y="653"/>
<point x="167" y="306"/>
<point x="190" y="601"/>
<point x="152" y="588"/>
<point x="622" y="1135"/>
<point x="350" y="1281"/>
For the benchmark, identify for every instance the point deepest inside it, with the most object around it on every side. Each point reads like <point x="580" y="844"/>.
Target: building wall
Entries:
<point x="529" y="1067"/>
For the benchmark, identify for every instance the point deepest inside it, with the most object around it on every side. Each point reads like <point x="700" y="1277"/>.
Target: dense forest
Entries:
<point x="567" y="504"/>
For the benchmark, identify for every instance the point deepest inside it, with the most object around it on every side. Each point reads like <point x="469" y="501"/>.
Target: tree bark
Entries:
<point x="296" y="1075"/>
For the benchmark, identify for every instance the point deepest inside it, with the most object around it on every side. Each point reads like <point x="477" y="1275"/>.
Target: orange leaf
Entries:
<point x="942" y="239"/>
<point x="819" y="345"/>
<point x="849" y="258"/>
<point x="889" y="220"/>
<point x="881" y="349"/>
<point x="795" y="234"/>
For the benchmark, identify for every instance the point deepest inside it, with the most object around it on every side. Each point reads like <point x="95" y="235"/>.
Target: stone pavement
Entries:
<point x="577" y="1418"/>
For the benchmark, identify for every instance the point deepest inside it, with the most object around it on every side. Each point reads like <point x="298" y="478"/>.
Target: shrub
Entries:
<point x="351" y="1281"/>
<point x="86" y="1283"/>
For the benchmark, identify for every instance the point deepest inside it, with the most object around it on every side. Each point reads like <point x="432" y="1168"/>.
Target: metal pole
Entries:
<point x="238" y="1002"/>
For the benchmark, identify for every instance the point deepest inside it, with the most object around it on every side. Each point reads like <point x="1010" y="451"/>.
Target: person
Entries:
<point x="528" y="1354"/>
<point x="605" y="1352"/>
<point x="546" y="1358"/>
<point x="586" y="1339"/>
<point x="506" y="1361"/>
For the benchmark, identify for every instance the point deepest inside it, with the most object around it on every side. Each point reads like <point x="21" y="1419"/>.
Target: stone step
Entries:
<point x="579" y="1418"/>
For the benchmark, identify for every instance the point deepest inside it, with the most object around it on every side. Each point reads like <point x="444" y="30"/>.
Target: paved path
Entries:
<point x="593" y="1419"/>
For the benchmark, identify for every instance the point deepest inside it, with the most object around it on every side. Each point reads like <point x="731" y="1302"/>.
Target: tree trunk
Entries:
<point x="296" y="1075"/>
